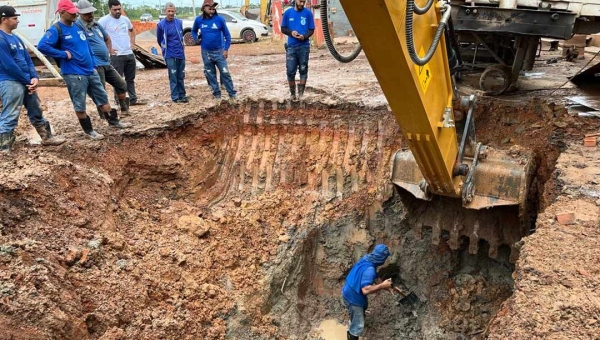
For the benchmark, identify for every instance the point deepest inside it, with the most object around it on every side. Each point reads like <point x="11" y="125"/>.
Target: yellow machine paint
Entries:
<point x="422" y="97"/>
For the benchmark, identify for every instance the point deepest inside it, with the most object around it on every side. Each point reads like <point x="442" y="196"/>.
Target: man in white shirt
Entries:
<point x="121" y="33"/>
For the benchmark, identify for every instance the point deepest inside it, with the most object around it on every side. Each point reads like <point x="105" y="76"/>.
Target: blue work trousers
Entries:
<point x="214" y="60"/>
<point x="296" y="60"/>
<point x="176" y="69"/>
<point x="357" y="318"/>
<point x="14" y="95"/>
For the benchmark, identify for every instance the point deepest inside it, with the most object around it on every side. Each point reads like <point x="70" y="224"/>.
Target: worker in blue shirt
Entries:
<point x="18" y="85"/>
<point x="169" y="35"/>
<point x="78" y="67"/>
<point x="101" y="44"/>
<point x="298" y="24"/>
<point x="214" y="31"/>
<point x="360" y="282"/>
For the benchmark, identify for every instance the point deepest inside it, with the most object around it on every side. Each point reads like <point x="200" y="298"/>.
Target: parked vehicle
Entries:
<point x="239" y="28"/>
<point x="146" y="17"/>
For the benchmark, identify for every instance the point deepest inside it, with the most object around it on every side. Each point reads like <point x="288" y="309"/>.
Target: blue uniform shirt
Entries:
<point x="95" y="36"/>
<point x="353" y="294"/>
<point x="16" y="63"/>
<point x="299" y="21"/>
<point x="74" y="40"/>
<point x="214" y="31"/>
<point x="169" y="35"/>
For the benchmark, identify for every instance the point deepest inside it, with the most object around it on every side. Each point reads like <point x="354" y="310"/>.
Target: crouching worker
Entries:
<point x="18" y="85"/>
<point x="360" y="282"/>
<point x="67" y="42"/>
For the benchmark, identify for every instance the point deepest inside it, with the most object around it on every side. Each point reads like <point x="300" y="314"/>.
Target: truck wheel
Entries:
<point x="496" y="79"/>
<point x="188" y="39"/>
<point x="249" y="36"/>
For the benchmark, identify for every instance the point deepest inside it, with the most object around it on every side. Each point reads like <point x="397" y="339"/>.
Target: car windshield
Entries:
<point x="236" y="16"/>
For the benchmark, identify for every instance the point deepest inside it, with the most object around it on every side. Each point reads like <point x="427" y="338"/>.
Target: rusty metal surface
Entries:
<point x="558" y="25"/>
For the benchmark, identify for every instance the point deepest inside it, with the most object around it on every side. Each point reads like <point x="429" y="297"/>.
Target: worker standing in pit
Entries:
<point x="360" y="282"/>
<point x="298" y="24"/>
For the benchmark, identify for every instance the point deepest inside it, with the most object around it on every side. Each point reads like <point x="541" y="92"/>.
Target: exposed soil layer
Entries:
<point x="242" y="222"/>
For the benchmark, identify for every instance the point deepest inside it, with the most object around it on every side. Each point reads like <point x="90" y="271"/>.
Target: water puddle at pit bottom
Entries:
<point x="332" y="330"/>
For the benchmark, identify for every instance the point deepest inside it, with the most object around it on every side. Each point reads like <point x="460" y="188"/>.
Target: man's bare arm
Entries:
<point x="132" y="38"/>
<point x="370" y="289"/>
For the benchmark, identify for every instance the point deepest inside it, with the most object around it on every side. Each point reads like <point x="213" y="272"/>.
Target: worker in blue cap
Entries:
<point x="360" y="282"/>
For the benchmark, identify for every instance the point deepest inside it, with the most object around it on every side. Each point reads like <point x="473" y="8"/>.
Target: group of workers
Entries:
<point x="91" y="53"/>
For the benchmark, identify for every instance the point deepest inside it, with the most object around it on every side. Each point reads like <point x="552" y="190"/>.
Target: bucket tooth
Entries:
<point x="474" y="239"/>
<point x="493" y="252"/>
<point x="473" y="245"/>
<point x="453" y="242"/>
<point x="514" y="253"/>
<point x="436" y="231"/>
<point x="418" y="231"/>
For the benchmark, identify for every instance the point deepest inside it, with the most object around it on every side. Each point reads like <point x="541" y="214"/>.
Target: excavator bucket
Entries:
<point x="497" y="210"/>
<point x="500" y="179"/>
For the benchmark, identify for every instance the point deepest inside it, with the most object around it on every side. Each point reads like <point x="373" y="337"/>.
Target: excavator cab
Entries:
<point x="410" y="50"/>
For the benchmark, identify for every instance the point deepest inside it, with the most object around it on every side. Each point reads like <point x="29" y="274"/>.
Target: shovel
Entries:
<point x="407" y="299"/>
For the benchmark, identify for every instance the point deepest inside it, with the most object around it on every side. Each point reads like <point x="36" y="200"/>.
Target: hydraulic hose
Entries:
<point x="421" y="11"/>
<point x="329" y="41"/>
<point x="410" y="43"/>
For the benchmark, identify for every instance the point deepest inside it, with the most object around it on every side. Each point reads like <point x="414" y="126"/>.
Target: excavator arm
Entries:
<point x="406" y="48"/>
<point x="265" y="11"/>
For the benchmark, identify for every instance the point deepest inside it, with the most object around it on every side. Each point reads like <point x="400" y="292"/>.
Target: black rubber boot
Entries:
<point x="293" y="96"/>
<point x="100" y="112"/>
<point x="351" y="337"/>
<point x="86" y="125"/>
<point x="45" y="132"/>
<point x="6" y="141"/>
<point x="124" y="106"/>
<point x="301" y="90"/>
<point x="113" y="120"/>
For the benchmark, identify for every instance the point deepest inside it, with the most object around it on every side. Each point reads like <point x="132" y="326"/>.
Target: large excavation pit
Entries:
<point x="241" y="223"/>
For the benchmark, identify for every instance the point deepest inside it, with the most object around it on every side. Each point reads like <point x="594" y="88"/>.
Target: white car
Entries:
<point x="239" y="28"/>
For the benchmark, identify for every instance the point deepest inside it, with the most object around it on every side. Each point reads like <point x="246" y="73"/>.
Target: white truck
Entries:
<point x="36" y="17"/>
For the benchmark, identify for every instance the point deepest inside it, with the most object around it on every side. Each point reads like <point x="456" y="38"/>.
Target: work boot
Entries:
<point x="293" y="96"/>
<point x="233" y="100"/>
<point x="113" y="120"/>
<point x="86" y="125"/>
<point x="351" y="337"/>
<point x="217" y="101"/>
<point x="301" y="90"/>
<point x="48" y="138"/>
<point x="136" y="102"/>
<point x="100" y="112"/>
<point x="6" y="141"/>
<point x="124" y="105"/>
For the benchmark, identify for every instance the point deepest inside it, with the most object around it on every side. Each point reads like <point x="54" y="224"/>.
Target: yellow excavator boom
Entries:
<point x="406" y="48"/>
<point x="265" y="12"/>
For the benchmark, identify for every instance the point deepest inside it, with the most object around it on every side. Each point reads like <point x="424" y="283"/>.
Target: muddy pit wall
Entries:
<point x="459" y="293"/>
